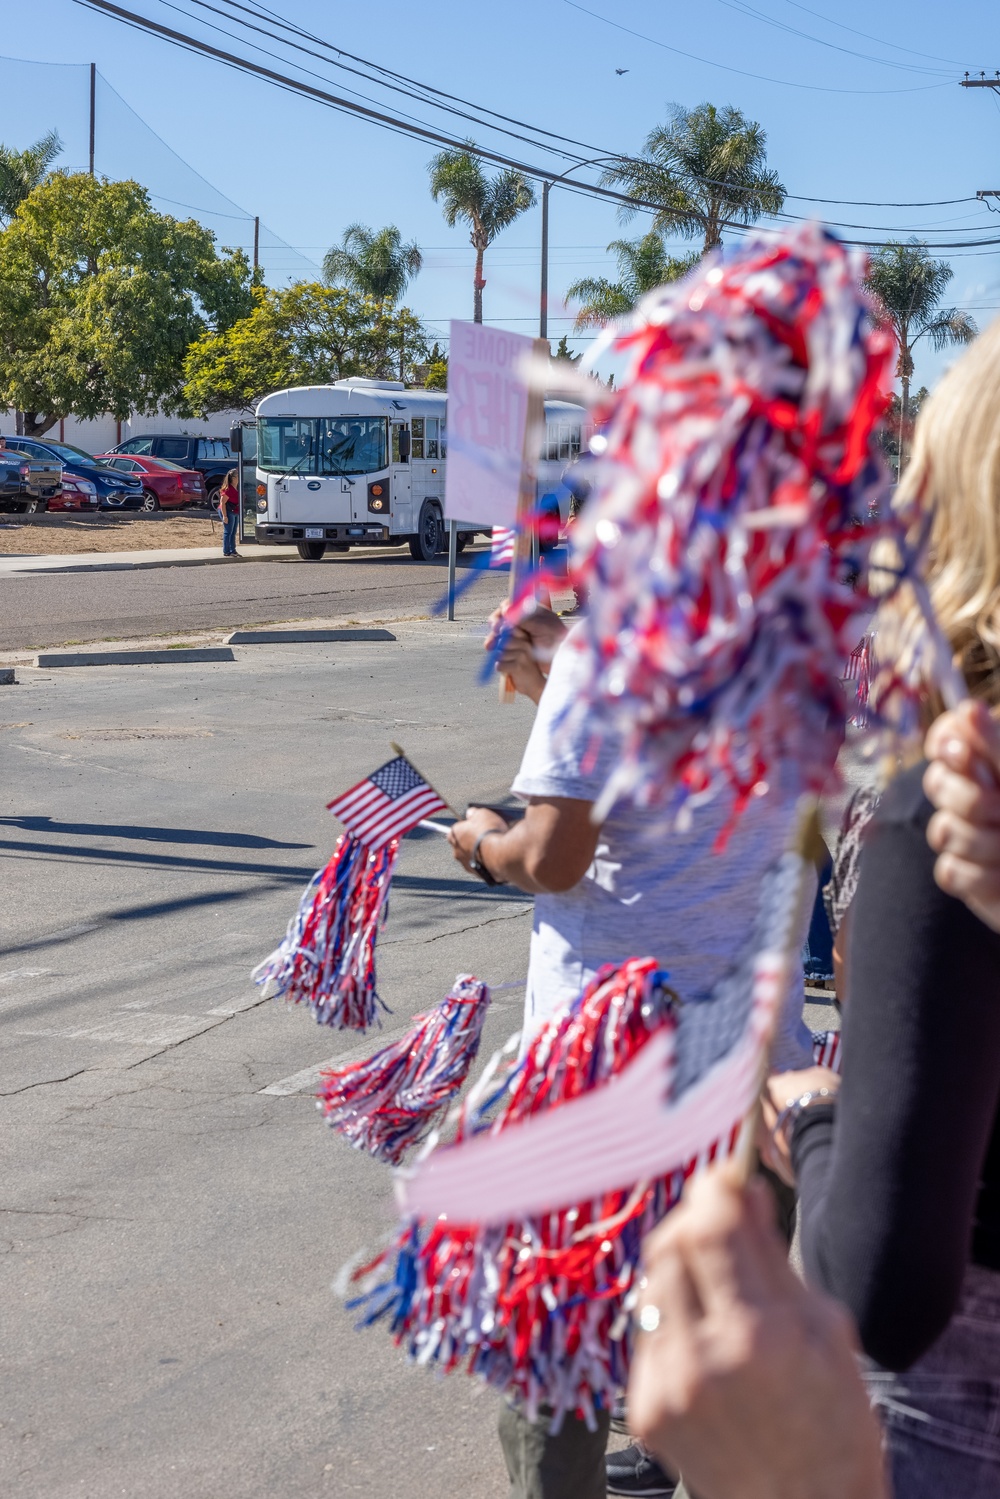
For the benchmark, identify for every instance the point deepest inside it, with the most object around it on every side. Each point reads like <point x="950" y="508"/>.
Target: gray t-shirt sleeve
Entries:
<point x="564" y="755"/>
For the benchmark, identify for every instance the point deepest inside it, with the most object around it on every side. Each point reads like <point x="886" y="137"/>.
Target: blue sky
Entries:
<point x="875" y="113"/>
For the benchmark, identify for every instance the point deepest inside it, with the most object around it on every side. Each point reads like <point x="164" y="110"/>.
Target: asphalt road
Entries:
<point x="44" y="609"/>
<point x="173" y="1210"/>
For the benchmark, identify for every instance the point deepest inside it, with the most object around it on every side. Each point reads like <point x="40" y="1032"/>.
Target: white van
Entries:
<point x="363" y="462"/>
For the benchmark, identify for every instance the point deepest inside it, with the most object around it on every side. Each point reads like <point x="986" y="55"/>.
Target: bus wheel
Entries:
<point x="310" y="551"/>
<point x="425" y="546"/>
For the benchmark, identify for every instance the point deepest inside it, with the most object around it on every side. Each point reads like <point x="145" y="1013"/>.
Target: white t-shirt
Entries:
<point x="651" y="891"/>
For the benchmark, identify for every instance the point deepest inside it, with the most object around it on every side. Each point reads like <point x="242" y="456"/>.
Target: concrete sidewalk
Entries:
<point x="79" y="562"/>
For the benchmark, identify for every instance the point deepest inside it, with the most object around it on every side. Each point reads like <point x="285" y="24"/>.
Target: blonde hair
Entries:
<point x="954" y="474"/>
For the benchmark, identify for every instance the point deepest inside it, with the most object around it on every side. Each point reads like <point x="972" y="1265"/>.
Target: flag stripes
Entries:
<point x="386" y="804"/>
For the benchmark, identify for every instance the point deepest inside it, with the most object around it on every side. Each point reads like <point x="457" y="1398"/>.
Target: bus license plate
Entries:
<point x="314" y="533"/>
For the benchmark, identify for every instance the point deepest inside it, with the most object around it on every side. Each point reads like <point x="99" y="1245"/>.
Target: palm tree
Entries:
<point x="706" y="168"/>
<point x="907" y="283"/>
<point x="487" y="204"/>
<point x="642" y="264"/>
<point x="20" y="171"/>
<point x="375" y="263"/>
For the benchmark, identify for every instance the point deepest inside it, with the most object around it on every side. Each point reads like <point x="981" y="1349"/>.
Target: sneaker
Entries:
<point x="633" y="1471"/>
<point x="619" y="1421"/>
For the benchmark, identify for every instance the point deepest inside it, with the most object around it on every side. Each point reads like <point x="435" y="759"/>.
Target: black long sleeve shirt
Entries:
<point x="900" y="1181"/>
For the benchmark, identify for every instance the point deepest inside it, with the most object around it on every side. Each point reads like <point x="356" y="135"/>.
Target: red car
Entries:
<point x="165" y="485"/>
<point x="75" y="494"/>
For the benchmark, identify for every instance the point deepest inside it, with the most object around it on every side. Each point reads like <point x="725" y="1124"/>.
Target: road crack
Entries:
<point x="46" y="1082"/>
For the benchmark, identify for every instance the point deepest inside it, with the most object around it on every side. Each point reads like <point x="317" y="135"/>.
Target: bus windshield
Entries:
<point x="327" y="445"/>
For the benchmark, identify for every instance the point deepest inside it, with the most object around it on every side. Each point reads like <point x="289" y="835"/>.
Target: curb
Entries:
<point x="136" y="658"/>
<point x="123" y="567"/>
<point x="304" y="637"/>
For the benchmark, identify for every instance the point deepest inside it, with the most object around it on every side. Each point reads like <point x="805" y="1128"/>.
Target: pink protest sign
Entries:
<point x="488" y="414"/>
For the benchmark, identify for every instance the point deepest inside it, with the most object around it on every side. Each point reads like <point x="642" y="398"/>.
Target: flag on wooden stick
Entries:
<point x="327" y="958"/>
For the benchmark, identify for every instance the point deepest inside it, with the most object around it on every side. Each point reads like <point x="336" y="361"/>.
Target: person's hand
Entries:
<point x="747" y="1381"/>
<point x="963" y="783"/>
<point x="517" y="661"/>
<point x="496" y="625"/>
<point x="463" y="836"/>
<point x="543" y="628"/>
<point x="781" y="1089"/>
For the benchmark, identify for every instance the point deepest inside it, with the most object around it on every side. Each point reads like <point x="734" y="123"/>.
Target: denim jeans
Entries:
<point x="941" y="1418"/>
<point x="230" y="527"/>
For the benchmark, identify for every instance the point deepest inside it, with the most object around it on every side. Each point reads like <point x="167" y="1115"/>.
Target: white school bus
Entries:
<point x="362" y="462"/>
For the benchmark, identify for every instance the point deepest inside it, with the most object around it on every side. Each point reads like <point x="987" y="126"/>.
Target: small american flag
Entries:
<point x="386" y="804"/>
<point x="502" y="546"/>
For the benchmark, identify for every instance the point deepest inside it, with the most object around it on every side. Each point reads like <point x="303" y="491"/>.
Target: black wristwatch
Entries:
<point x="476" y="864"/>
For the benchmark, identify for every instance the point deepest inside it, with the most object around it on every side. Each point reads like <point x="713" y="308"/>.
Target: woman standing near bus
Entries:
<point x="229" y="512"/>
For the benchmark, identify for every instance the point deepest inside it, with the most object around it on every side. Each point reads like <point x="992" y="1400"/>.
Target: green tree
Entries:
<point x="21" y="171"/>
<point x="706" y="168"/>
<point x="307" y="334"/>
<point x="100" y="298"/>
<point x="565" y="353"/>
<point x="908" y="283"/>
<point x="377" y="264"/>
<point x="487" y="204"/>
<point x="642" y="265"/>
<point x="894" y="428"/>
<point x="434" y="374"/>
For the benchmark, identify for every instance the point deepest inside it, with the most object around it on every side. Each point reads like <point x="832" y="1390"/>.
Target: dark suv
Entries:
<point x="112" y="491"/>
<point x="27" y="484"/>
<point x="211" y="456"/>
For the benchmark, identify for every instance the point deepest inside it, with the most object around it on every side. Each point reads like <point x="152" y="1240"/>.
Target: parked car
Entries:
<point x="75" y="494"/>
<point x="112" y="491"/>
<point x="165" y="485"/>
<point x="211" y="456"/>
<point x="27" y="485"/>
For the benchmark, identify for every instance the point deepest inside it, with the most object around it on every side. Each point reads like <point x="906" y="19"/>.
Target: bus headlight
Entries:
<point x="378" y="498"/>
<point x="262" y="506"/>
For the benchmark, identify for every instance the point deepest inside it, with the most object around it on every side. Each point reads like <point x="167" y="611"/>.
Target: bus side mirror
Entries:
<point x="236" y="439"/>
<point x="404" y="444"/>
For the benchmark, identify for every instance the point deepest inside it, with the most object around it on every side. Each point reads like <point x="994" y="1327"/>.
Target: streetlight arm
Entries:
<point x="547" y="184"/>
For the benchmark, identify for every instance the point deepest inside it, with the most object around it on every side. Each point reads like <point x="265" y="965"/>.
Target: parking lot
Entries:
<point x="174" y="1210"/>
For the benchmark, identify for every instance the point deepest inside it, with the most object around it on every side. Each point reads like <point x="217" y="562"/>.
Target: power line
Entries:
<point x="748" y="10"/>
<point x="868" y="36"/>
<point x="261" y="10"/>
<point x="424" y="132"/>
<point x="743" y="73"/>
<point x="428" y="93"/>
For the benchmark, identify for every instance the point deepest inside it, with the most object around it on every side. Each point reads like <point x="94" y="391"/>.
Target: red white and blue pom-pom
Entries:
<point x="539" y="1307"/>
<point x="327" y="959"/>
<point x="390" y="1101"/>
<point x="738" y="492"/>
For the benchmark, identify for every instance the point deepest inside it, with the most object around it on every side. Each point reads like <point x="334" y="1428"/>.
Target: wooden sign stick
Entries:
<point x="534" y="432"/>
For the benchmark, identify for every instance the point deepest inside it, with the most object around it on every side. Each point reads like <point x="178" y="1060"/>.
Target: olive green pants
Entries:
<point x="567" y="1465"/>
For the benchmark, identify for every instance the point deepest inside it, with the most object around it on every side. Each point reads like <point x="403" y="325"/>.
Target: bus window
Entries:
<point x="444" y="438"/>
<point x="432" y="437"/>
<point x="418" y="436"/>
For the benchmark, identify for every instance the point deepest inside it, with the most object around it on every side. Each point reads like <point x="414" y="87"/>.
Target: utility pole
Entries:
<point x="543" y="304"/>
<point x="256" y="241"/>
<point x="93" y="112"/>
<point x="981" y="82"/>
